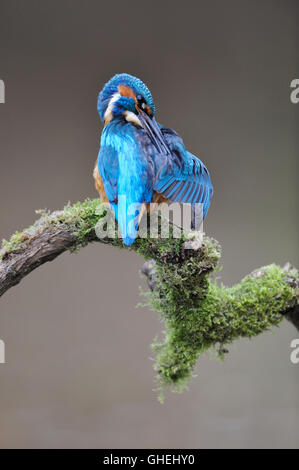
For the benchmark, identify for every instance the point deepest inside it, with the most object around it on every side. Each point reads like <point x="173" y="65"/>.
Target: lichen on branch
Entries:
<point x="200" y="314"/>
<point x="197" y="311"/>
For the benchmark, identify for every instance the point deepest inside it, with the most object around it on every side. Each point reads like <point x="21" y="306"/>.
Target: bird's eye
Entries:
<point x="141" y="102"/>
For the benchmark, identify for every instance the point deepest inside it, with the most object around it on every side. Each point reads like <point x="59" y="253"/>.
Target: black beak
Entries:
<point x="153" y="130"/>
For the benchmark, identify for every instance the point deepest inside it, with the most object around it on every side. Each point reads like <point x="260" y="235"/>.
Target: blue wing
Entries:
<point x="182" y="177"/>
<point x="127" y="175"/>
<point x="108" y="167"/>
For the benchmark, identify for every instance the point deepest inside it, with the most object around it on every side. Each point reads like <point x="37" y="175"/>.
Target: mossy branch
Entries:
<point x="198" y="312"/>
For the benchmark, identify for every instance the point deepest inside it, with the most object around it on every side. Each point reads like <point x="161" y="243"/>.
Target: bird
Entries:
<point x="140" y="161"/>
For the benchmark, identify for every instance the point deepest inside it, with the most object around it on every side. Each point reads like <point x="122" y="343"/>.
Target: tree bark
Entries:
<point x="198" y="313"/>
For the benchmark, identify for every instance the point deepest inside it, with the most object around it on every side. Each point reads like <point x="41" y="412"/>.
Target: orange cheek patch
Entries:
<point x="125" y="90"/>
<point x="148" y="110"/>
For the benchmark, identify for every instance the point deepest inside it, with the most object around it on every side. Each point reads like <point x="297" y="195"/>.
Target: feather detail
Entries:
<point x="99" y="184"/>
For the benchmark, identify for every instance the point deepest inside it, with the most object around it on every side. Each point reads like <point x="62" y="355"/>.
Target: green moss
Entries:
<point x="80" y="218"/>
<point x="16" y="239"/>
<point x="198" y="313"/>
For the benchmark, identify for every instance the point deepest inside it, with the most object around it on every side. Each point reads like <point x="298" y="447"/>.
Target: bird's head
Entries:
<point x="127" y="97"/>
<point x="124" y="95"/>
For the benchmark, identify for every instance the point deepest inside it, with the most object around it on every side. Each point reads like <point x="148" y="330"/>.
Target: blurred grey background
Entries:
<point x="78" y="372"/>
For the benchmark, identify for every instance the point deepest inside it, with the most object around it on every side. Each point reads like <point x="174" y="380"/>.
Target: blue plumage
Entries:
<point x="183" y="178"/>
<point x="111" y="87"/>
<point x="139" y="158"/>
<point x="127" y="174"/>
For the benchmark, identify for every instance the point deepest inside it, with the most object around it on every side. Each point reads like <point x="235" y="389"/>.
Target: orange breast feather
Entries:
<point x="99" y="184"/>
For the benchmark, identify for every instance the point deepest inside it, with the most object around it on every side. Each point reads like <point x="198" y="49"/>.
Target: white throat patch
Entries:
<point x="109" y="111"/>
<point x="129" y="115"/>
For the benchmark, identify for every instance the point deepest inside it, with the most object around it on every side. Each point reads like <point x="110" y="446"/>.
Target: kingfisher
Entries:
<point x="140" y="161"/>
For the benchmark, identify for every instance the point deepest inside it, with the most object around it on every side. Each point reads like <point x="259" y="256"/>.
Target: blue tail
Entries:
<point x="126" y="213"/>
